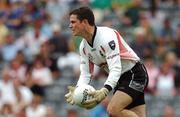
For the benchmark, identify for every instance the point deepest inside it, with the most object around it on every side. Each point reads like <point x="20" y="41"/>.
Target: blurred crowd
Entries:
<point x="36" y="47"/>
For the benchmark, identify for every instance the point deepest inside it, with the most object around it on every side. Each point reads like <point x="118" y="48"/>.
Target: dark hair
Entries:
<point x="37" y="90"/>
<point x="84" y="13"/>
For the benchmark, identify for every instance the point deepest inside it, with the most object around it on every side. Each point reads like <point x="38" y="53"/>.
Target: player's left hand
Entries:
<point x="98" y="96"/>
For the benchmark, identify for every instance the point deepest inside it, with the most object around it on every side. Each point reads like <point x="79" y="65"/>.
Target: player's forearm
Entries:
<point x="84" y="79"/>
<point x="112" y="79"/>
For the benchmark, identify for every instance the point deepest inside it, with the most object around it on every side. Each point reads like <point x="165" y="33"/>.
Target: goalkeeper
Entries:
<point x="104" y="47"/>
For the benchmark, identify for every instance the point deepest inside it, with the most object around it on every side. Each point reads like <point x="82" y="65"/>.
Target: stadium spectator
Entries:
<point x="30" y="41"/>
<point x="41" y="74"/>
<point x="58" y="42"/>
<point x="10" y="48"/>
<point x="49" y="60"/>
<point x="3" y="28"/>
<point x="153" y="72"/>
<point x="166" y="77"/>
<point x="7" y="110"/>
<point x="18" y="69"/>
<point x="169" y="111"/>
<point x="72" y="113"/>
<point x="23" y="97"/>
<point x="141" y="45"/>
<point x="6" y="85"/>
<point x="36" y="108"/>
<point x="177" y="41"/>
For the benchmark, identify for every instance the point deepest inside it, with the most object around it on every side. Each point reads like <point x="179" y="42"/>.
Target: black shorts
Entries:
<point x="133" y="83"/>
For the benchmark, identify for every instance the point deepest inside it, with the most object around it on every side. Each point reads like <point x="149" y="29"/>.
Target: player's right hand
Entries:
<point x="89" y="105"/>
<point x="69" y="95"/>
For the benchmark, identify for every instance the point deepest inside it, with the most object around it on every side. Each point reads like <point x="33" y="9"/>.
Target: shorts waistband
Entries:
<point x="134" y="67"/>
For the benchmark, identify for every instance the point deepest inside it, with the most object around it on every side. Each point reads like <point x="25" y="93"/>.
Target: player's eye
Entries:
<point x="73" y="22"/>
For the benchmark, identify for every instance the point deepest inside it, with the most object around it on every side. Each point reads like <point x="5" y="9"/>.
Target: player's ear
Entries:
<point x="85" y="21"/>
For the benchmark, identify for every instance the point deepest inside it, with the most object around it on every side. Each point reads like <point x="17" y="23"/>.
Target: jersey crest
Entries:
<point x="112" y="44"/>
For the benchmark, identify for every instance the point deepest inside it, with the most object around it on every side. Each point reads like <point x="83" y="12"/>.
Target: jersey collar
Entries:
<point x="94" y="34"/>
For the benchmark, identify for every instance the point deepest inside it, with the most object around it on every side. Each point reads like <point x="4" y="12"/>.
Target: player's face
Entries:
<point x="76" y="25"/>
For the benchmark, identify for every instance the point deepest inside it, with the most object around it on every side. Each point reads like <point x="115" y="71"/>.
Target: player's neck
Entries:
<point x="89" y="34"/>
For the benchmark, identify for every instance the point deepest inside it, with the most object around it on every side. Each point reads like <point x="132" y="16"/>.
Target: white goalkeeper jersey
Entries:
<point x="108" y="51"/>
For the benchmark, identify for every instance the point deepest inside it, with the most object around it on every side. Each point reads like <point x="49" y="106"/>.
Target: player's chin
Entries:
<point x="75" y="33"/>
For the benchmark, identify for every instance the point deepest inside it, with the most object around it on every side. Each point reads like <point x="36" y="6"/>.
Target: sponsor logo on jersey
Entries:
<point x="112" y="44"/>
<point x="112" y="56"/>
<point x="90" y="57"/>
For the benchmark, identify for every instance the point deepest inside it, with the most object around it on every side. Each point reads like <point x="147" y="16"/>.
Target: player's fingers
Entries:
<point x="72" y="102"/>
<point x="93" y="100"/>
<point x="91" y="93"/>
<point x="90" y="106"/>
<point x="69" y="99"/>
<point x="68" y="95"/>
<point x="70" y="88"/>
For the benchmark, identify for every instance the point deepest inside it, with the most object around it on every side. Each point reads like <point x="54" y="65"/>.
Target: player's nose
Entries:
<point x="70" y="26"/>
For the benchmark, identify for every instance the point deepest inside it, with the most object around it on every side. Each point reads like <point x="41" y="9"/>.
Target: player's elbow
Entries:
<point x="116" y="69"/>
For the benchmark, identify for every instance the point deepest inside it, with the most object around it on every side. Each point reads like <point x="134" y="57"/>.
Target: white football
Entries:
<point x="81" y="94"/>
